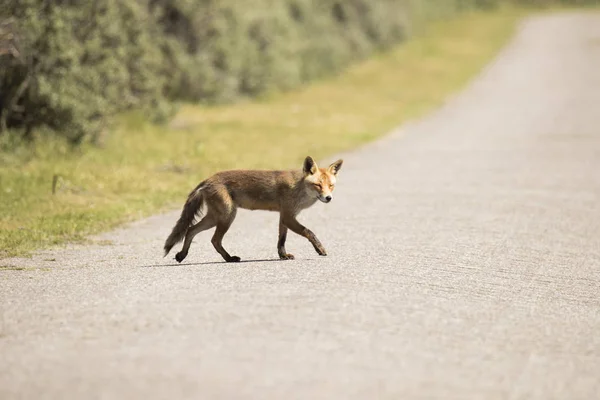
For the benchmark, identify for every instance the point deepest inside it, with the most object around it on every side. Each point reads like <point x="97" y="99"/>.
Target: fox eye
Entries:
<point x="331" y="187"/>
<point x="317" y="185"/>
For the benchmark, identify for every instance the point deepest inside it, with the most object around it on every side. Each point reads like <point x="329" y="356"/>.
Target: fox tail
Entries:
<point x="191" y="210"/>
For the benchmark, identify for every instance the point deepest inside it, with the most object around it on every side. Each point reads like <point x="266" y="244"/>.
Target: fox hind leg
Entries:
<point x="217" y="240"/>
<point x="206" y="223"/>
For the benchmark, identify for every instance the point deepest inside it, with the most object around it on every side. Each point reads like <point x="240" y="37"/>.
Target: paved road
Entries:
<point x="464" y="262"/>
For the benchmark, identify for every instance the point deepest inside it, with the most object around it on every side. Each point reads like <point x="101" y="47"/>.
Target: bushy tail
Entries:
<point x="191" y="209"/>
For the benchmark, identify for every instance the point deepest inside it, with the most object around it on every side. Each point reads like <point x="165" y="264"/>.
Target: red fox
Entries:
<point x="287" y="192"/>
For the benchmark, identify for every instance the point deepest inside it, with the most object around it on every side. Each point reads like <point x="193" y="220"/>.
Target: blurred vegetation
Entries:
<point x="221" y="50"/>
<point x="67" y="65"/>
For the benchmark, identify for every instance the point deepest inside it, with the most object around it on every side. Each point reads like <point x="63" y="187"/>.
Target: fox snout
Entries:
<point x="325" y="199"/>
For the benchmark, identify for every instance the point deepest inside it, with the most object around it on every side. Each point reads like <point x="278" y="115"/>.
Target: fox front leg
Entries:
<point x="296" y="227"/>
<point x="281" y="242"/>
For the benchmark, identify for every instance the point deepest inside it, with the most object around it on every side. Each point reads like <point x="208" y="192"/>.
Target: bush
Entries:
<point x="67" y="65"/>
<point x="75" y="63"/>
<point x="224" y="49"/>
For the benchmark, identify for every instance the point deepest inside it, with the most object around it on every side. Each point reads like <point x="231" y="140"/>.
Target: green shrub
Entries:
<point x="76" y="64"/>
<point x="67" y="65"/>
<point x="224" y="49"/>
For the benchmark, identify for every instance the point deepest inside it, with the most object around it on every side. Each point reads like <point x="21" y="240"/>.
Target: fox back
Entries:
<point x="290" y="191"/>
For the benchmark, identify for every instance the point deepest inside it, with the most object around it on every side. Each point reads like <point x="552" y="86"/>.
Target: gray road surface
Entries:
<point x="464" y="263"/>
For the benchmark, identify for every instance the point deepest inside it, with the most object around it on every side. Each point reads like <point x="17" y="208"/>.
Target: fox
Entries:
<point x="215" y="202"/>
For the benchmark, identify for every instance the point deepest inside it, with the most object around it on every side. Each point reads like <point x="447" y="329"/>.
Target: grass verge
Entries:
<point x="143" y="169"/>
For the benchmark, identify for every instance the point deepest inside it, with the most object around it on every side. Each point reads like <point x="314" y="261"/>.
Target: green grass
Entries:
<point x="142" y="169"/>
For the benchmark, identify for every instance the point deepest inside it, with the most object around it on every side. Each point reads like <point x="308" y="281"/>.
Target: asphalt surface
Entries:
<point x="464" y="262"/>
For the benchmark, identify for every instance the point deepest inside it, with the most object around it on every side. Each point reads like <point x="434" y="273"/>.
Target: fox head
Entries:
<point x="320" y="181"/>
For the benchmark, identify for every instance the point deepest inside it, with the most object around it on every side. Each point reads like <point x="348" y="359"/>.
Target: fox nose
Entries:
<point x="328" y="198"/>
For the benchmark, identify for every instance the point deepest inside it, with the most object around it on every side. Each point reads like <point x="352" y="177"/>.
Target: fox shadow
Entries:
<point x="209" y="263"/>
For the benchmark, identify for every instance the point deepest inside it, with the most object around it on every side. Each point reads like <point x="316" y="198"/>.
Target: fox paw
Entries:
<point x="179" y="257"/>
<point x="286" y="256"/>
<point x="322" y="252"/>
<point x="234" y="259"/>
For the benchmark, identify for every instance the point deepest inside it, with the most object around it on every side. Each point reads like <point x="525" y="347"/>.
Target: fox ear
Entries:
<point x="310" y="166"/>
<point x="336" y="166"/>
